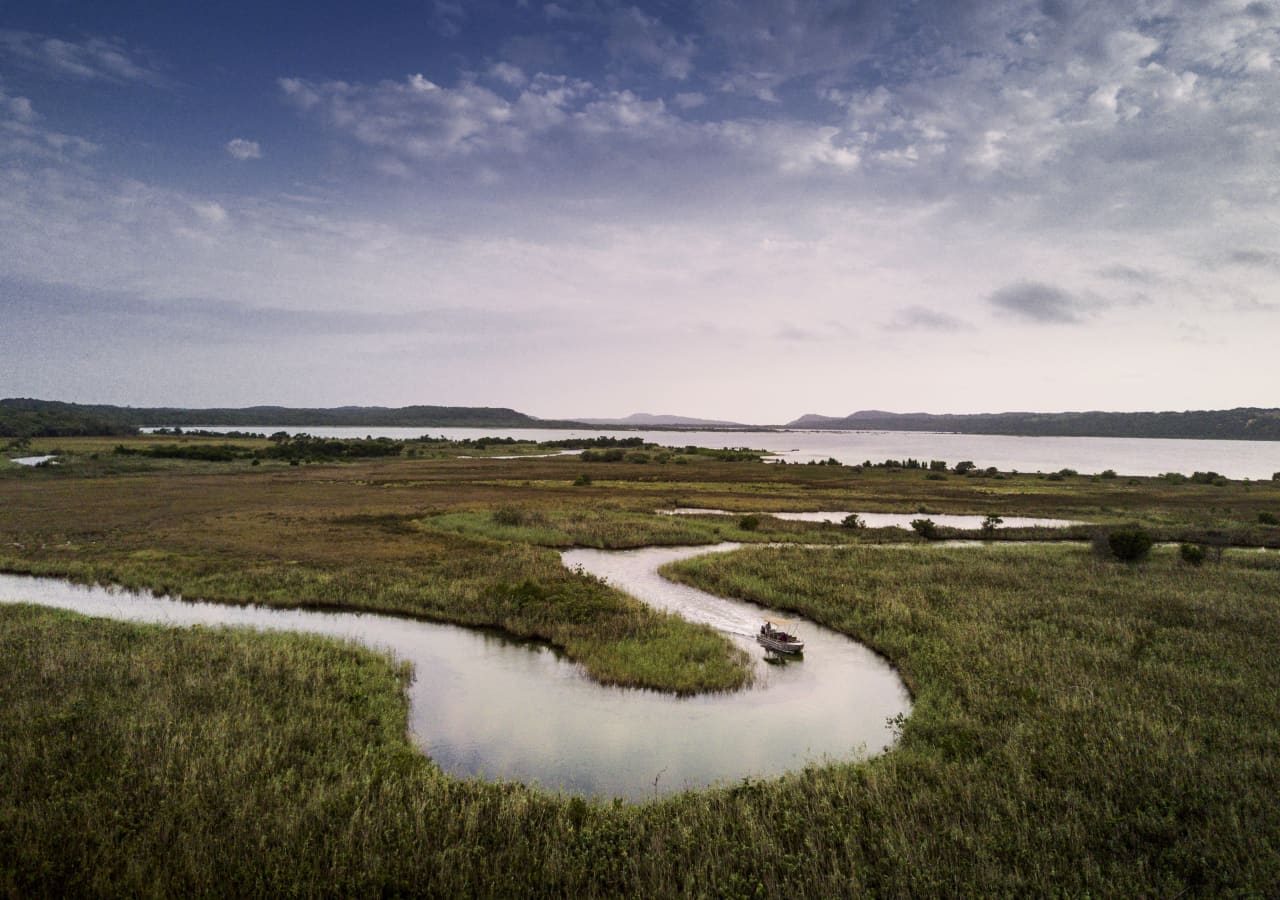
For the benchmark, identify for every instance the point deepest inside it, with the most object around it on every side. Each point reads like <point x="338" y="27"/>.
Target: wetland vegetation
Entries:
<point x="1080" y="724"/>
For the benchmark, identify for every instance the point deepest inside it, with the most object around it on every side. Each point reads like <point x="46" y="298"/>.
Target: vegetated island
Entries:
<point x="1240" y="424"/>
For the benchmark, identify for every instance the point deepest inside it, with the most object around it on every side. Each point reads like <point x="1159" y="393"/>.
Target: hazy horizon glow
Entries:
<point x="730" y="209"/>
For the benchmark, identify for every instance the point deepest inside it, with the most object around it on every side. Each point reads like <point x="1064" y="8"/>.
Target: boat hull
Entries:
<point x="772" y="643"/>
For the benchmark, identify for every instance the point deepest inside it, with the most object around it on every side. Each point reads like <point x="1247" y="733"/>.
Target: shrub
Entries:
<point x="1192" y="554"/>
<point x="853" y="520"/>
<point x="1174" y="477"/>
<point x="509" y="516"/>
<point x="991" y="523"/>
<point x="1268" y="518"/>
<point x="925" y="528"/>
<point x="937" y="465"/>
<point x="582" y="480"/>
<point x="1067" y="473"/>
<point x="749" y="523"/>
<point x="964" y="466"/>
<point x="1107" y="473"/>
<point x="1275" y="476"/>
<point x="935" y="476"/>
<point x="1129" y="544"/>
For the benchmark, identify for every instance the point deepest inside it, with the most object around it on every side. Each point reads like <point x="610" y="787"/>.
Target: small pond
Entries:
<point x="881" y="520"/>
<point x="33" y="460"/>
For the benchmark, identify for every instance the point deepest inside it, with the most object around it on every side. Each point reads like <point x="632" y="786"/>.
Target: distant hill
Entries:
<point x="48" y="418"/>
<point x="648" y="420"/>
<point x="1242" y="424"/>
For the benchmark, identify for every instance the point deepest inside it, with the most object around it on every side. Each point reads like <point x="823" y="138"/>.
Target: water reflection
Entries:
<point x="484" y="706"/>
<point x="881" y="520"/>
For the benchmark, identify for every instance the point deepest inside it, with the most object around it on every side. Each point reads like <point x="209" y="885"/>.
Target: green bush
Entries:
<point x="935" y="476"/>
<point x="582" y="480"/>
<point x="749" y="523"/>
<point x="510" y="516"/>
<point x="1192" y="554"/>
<point x="1268" y="518"/>
<point x="853" y="520"/>
<point x="1129" y="544"/>
<point x="964" y="466"/>
<point x="991" y="523"/>
<point x="1107" y="473"/>
<point x="925" y="528"/>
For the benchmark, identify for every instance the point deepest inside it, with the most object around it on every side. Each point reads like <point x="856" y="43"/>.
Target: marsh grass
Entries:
<point x="1079" y="728"/>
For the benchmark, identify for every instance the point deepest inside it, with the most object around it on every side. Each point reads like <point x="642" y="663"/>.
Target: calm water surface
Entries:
<point x="1128" y="456"/>
<point x="484" y="706"/>
<point x="880" y="520"/>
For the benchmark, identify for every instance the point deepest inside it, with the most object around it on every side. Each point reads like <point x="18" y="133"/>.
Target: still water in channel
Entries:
<point x="881" y="520"/>
<point x="485" y="706"/>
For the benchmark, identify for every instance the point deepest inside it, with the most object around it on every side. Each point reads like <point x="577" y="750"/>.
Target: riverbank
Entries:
<point x="1080" y="727"/>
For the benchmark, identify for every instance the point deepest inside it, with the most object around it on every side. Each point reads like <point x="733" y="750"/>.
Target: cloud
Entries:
<point x="921" y="318"/>
<point x="448" y="16"/>
<point x="1034" y="301"/>
<point x="243" y="149"/>
<point x="1254" y="258"/>
<point x="638" y="37"/>
<point x="1132" y="274"/>
<point x="92" y="59"/>
<point x="22" y="135"/>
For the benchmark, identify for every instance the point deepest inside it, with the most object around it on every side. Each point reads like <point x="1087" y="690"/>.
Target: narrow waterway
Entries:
<point x="484" y="706"/>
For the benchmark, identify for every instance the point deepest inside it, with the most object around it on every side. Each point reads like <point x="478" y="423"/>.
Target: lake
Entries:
<point x="1127" y="456"/>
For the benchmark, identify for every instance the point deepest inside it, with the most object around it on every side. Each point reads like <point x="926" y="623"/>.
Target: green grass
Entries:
<point x="1079" y="728"/>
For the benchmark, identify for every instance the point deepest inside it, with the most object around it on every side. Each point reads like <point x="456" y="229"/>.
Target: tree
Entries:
<point x="991" y="523"/>
<point x="853" y="520"/>
<point x="1129" y="544"/>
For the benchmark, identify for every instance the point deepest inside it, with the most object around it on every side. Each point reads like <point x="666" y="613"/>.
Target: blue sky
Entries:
<point x="743" y="210"/>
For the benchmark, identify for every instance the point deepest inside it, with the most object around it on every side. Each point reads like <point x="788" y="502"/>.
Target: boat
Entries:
<point x="777" y="640"/>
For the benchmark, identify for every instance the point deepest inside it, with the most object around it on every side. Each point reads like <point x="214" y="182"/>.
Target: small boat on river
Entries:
<point x="777" y="640"/>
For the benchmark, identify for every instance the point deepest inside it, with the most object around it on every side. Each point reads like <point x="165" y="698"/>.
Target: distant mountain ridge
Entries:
<point x="1240" y="424"/>
<point x="649" y="420"/>
<point x="22" y="417"/>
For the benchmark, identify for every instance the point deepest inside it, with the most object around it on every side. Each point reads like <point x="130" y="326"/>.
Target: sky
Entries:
<point x="724" y="208"/>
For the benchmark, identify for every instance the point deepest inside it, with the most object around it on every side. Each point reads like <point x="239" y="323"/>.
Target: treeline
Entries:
<point x="22" y="417"/>
<point x="298" y="448"/>
<point x="1241" y="424"/>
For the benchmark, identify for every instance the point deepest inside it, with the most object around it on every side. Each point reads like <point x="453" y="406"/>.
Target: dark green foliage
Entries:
<point x="582" y="480"/>
<point x="1192" y="554"/>
<point x="853" y="520"/>
<point x="1268" y="518"/>
<point x="1107" y="473"/>
<point x="935" y="476"/>
<point x="964" y="466"/>
<point x="749" y="523"/>
<point x="937" y="465"/>
<point x="1174" y="477"/>
<point x="1130" y="543"/>
<point x="925" y="528"/>
<point x="991" y="523"/>
<point x="1208" y="478"/>
<point x="510" y="516"/>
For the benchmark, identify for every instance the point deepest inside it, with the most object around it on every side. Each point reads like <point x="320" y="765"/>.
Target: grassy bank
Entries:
<point x="1080" y="727"/>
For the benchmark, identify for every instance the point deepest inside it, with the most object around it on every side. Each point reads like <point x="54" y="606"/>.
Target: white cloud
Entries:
<point x="243" y="149"/>
<point x="92" y="59"/>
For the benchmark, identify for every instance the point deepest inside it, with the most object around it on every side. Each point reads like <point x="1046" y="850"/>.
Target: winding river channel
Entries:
<point x="488" y="707"/>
